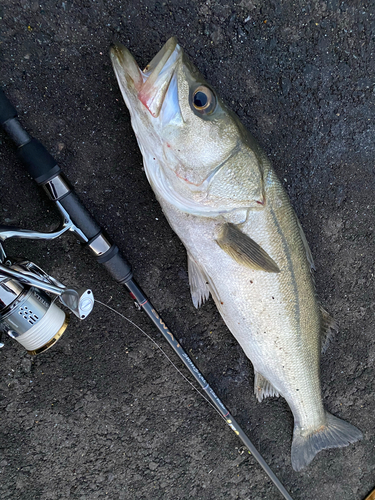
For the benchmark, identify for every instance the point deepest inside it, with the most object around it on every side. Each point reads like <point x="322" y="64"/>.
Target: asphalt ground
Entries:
<point x="104" y="414"/>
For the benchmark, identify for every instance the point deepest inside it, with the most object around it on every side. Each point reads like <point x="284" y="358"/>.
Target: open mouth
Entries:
<point x="152" y="83"/>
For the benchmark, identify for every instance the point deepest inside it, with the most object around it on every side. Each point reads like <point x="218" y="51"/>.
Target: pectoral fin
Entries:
<point x="244" y="250"/>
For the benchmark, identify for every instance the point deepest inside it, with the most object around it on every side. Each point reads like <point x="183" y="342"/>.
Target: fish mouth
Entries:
<point x="151" y="84"/>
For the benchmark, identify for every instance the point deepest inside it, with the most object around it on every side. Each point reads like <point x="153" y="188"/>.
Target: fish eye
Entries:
<point x="203" y="100"/>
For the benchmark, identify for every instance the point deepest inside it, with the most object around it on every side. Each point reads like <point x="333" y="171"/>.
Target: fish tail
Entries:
<point x="335" y="434"/>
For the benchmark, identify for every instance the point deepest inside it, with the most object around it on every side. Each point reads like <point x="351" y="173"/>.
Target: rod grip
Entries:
<point x="116" y="265"/>
<point x="39" y="163"/>
<point x="42" y="166"/>
<point x="7" y="110"/>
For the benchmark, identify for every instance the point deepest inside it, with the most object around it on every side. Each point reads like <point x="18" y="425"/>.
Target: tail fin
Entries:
<point x="335" y="434"/>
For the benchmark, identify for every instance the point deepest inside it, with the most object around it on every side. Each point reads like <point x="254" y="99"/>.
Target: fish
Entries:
<point x="245" y="245"/>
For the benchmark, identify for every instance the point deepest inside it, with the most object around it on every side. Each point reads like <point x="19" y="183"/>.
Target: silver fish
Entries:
<point x="244" y="242"/>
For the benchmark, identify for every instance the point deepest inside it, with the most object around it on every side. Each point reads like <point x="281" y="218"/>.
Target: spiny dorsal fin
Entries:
<point x="198" y="284"/>
<point x="263" y="388"/>
<point x="329" y="329"/>
<point x="244" y="250"/>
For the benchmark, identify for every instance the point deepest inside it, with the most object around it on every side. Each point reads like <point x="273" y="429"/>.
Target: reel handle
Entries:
<point x="43" y="168"/>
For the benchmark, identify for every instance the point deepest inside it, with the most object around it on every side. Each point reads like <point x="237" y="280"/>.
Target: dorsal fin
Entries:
<point x="305" y="244"/>
<point x="329" y="329"/>
<point x="329" y="326"/>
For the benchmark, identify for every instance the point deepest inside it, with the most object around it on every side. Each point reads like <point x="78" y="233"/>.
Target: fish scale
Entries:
<point x="244" y="242"/>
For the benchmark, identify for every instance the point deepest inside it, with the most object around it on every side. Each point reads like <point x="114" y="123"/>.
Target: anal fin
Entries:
<point x="263" y="388"/>
<point x="198" y="284"/>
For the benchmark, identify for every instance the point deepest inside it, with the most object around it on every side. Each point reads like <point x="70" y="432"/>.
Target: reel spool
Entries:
<point x="29" y="316"/>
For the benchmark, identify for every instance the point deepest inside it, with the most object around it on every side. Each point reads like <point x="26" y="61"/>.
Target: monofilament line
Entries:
<point x="164" y="353"/>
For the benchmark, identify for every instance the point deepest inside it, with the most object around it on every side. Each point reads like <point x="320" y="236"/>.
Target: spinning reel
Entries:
<point x="28" y="295"/>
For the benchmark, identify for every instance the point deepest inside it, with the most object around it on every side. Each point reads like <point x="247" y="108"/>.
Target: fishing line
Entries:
<point x="164" y="353"/>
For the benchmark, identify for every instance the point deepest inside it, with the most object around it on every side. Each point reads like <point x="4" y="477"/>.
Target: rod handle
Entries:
<point x="116" y="265"/>
<point x="39" y="163"/>
<point x="43" y="168"/>
<point x="7" y="110"/>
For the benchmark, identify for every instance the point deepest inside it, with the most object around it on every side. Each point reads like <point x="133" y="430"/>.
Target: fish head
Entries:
<point x="185" y="132"/>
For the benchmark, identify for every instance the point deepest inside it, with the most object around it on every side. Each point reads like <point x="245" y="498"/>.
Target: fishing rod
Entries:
<point x="44" y="169"/>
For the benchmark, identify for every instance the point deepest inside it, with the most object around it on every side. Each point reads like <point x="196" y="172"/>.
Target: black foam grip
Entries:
<point x="80" y="216"/>
<point x="116" y="264"/>
<point x="38" y="161"/>
<point x="7" y="110"/>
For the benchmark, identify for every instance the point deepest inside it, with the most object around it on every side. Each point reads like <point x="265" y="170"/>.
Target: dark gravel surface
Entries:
<point x="104" y="414"/>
